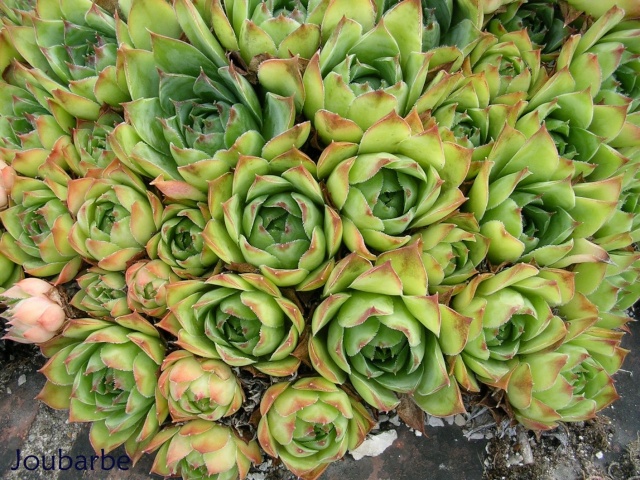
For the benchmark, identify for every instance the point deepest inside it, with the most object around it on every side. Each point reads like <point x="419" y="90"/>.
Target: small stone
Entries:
<point x="395" y="420"/>
<point x="22" y="379"/>
<point x="599" y="455"/>
<point x="449" y="419"/>
<point x="488" y="435"/>
<point x="374" y="445"/>
<point x="435" y="422"/>
<point x="383" y="418"/>
<point x="459" y="420"/>
<point x="476" y="436"/>
<point x="8" y="391"/>
<point x="418" y="433"/>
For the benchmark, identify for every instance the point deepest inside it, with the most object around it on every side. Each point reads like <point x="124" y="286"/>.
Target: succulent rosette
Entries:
<point x="105" y="372"/>
<point x="309" y="424"/>
<point x="179" y="242"/>
<point x="242" y="319"/>
<point x="185" y="108"/>
<point x="198" y="387"/>
<point x="512" y="315"/>
<point x="272" y="215"/>
<point x="451" y="251"/>
<point x="573" y="107"/>
<point x="362" y="73"/>
<point x="460" y="105"/>
<point x="616" y="45"/>
<point x="147" y="282"/>
<point x="37" y="227"/>
<point x="510" y="65"/>
<point x="378" y="327"/>
<point x="102" y="294"/>
<point x="28" y="129"/>
<point x="115" y="217"/>
<point x="72" y="49"/>
<point x="86" y="148"/>
<point x="543" y="20"/>
<point x="203" y="449"/>
<point x="569" y="384"/>
<point x="384" y="186"/>
<point x="526" y="202"/>
<point x="35" y="313"/>
<point x="276" y="28"/>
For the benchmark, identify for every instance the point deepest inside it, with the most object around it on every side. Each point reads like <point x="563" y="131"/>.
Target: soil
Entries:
<point x="572" y="451"/>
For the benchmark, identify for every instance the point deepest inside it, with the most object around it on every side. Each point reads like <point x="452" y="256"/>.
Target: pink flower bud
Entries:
<point x="29" y="287"/>
<point x="33" y="316"/>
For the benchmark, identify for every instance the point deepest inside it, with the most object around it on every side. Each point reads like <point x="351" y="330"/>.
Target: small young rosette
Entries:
<point x="543" y="19"/>
<point x="37" y="227"/>
<point x="276" y="28"/>
<point x="399" y="177"/>
<point x="198" y="387"/>
<point x="201" y="449"/>
<point x="309" y="424"/>
<point x="512" y="315"/>
<point x="459" y="105"/>
<point x="272" y="215"/>
<point x="147" y="282"/>
<point x="102" y="294"/>
<point x="510" y="64"/>
<point x="106" y="372"/>
<point x="86" y="148"/>
<point x="378" y="327"/>
<point x="451" y="251"/>
<point x="179" y="242"/>
<point x="242" y="319"/>
<point x="115" y="217"/>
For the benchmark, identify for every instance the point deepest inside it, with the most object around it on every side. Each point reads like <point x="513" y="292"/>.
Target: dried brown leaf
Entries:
<point x="411" y="414"/>
<point x="302" y="350"/>
<point x="242" y="268"/>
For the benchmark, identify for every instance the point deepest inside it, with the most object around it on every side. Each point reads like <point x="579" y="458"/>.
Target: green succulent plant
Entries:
<point x="102" y="294"/>
<point x="324" y="201"/>
<point x="242" y="319"/>
<point x="104" y="372"/>
<point x="378" y="327"/>
<point x="310" y="423"/>
<point x="203" y="449"/>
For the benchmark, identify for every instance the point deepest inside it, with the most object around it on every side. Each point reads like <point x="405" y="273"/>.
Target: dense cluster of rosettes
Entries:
<point x="411" y="198"/>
